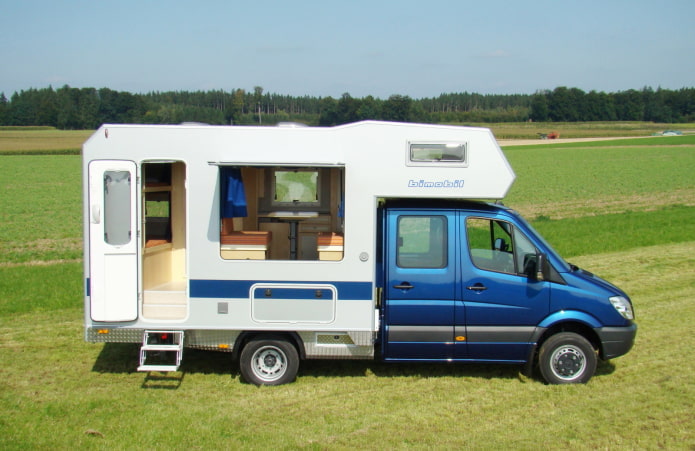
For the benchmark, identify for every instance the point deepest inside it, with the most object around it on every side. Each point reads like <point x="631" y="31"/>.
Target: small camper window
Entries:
<point x="448" y="154"/>
<point x="295" y="187"/>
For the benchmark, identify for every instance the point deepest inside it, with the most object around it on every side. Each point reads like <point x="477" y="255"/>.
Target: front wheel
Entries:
<point x="269" y="361"/>
<point x="567" y="358"/>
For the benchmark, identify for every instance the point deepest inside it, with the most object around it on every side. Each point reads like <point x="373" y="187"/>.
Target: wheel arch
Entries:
<point x="246" y="336"/>
<point x="574" y="326"/>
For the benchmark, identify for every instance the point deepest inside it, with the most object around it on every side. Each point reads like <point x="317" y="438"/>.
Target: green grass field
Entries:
<point x="623" y="211"/>
<point x="41" y="140"/>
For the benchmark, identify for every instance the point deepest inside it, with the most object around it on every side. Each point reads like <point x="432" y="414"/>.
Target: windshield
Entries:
<point x="566" y="266"/>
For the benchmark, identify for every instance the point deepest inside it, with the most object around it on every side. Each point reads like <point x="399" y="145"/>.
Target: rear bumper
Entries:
<point x="616" y="341"/>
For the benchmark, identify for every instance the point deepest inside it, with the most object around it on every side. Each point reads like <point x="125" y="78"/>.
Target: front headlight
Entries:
<point x="623" y="307"/>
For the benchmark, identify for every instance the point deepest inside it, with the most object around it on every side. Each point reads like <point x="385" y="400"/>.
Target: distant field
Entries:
<point x="623" y="210"/>
<point x="48" y="140"/>
<point x="532" y="130"/>
<point x="32" y="140"/>
<point x="576" y="179"/>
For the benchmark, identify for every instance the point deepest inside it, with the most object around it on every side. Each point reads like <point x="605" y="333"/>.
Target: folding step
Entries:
<point x="161" y="350"/>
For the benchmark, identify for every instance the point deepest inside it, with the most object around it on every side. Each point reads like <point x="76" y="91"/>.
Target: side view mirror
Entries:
<point x="535" y="266"/>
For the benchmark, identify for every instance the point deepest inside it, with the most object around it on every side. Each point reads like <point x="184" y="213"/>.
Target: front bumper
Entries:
<point x="616" y="341"/>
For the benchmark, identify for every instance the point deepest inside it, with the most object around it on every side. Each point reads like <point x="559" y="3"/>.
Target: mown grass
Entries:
<point x="40" y="208"/>
<point x="57" y="392"/>
<point x="618" y="232"/>
<point x="598" y="178"/>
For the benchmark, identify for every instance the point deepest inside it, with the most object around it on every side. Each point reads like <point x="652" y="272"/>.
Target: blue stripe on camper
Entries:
<point x="200" y="288"/>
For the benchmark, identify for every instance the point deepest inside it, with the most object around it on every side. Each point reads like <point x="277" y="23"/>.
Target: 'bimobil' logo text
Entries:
<point x="435" y="184"/>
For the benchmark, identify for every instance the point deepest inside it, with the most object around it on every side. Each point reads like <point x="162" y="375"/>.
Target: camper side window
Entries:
<point x="281" y="213"/>
<point x="438" y="154"/>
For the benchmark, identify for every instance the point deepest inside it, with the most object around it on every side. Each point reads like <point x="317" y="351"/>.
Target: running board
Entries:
<point x="161" y="350"/>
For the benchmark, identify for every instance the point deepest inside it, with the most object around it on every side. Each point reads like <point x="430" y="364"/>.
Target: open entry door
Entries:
<point x="113" y="240"/>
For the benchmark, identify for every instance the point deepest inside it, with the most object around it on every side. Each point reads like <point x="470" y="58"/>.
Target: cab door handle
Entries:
<point x="403" y="286"/>
<point x="479" y="287"/>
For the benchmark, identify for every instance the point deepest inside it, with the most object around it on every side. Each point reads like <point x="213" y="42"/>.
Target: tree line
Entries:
<point x="87" y="108"/>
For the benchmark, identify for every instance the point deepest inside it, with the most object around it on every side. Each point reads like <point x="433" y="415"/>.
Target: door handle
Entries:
<point x="403" y="286"/>
<point x="96" y="214"/>
<point x="479" y="287"/>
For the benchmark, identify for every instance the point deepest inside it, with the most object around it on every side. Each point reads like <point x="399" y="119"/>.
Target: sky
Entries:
<point x="320" y="48"/>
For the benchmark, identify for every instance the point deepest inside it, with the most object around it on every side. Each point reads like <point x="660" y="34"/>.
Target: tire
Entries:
<point x="567" y="358"/>
<point x="269" y="361"/>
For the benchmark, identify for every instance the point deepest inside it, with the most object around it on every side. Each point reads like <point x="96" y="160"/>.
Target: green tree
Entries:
<point x="346" y="109"/>
<point x="370" y="108"/>
<point x="328" y="111"/>
<point x="539" y="107"/>
<point x="397" y="108"/>
<point x="3" y="109"/>
<point x="629" y="105"/>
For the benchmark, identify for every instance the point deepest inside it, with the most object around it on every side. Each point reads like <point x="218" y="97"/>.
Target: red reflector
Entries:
<point x="165" y="336"/>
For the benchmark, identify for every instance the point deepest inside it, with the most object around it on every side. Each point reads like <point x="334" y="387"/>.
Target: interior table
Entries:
<point x="293" y="218"/>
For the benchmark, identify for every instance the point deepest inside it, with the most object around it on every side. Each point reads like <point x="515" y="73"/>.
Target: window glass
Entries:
<point x="422" y="242"/>
<point x="294" y="186"/>
<point x="524" y="250"/>
<point x="452" y="153"/>
<point x="117" y="207"/>
<point x="490" y="244"/>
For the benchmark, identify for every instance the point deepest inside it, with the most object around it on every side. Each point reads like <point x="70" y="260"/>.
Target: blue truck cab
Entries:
<point x="471" y="281"/>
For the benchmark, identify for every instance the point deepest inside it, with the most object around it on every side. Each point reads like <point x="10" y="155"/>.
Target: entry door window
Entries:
<point x="117" y="209"/>
<point x="422" y="242"/>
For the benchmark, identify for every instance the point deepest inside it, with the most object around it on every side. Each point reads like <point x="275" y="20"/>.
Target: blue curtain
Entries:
<point x="233" y="195"/>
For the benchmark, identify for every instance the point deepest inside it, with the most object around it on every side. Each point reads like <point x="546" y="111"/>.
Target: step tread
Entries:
<point x="162" y="368"/>
<point x="159" y="347"/>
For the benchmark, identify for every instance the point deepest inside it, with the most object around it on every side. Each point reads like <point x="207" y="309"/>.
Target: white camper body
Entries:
<point x="211" y="233"/>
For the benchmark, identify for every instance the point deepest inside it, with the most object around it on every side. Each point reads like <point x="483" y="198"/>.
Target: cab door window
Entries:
<point x="422" y="242"/>
<point x="497" y="245"/>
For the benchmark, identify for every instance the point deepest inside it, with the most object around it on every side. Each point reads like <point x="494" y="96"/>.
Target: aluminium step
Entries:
<point x="148" y="347"/>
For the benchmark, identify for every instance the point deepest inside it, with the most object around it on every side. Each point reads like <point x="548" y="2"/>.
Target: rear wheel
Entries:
<point x="269" y="361"/>
<point x="567" y="358"/>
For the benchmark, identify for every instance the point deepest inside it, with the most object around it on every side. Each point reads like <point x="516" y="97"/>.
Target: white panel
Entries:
<point x="294" y="310"/>
<point x="113" y="271"/>
<point x="120" y="287"/>
<point x="293" y="303"/>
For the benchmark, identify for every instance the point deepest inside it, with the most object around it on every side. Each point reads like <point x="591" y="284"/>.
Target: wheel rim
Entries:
<point x="269" y="363"/>
<point x="568" y="363"/>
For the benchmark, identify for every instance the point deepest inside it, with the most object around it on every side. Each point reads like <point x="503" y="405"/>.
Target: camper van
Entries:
<point x="280" y="244"/>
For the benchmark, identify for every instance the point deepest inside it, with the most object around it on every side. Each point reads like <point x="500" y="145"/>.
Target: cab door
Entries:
<point x="113" y="243"/>
<point x="420" y="285"/>
<point x="503" y="304"/>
